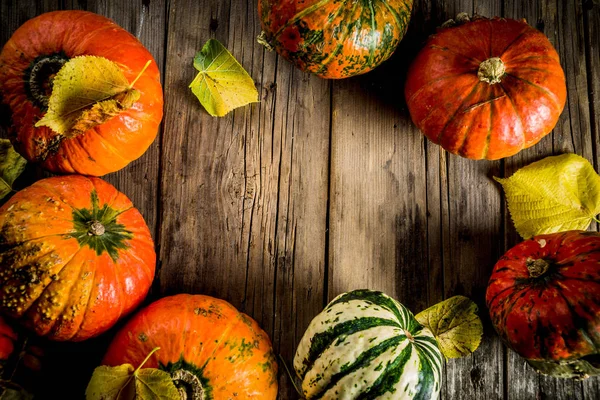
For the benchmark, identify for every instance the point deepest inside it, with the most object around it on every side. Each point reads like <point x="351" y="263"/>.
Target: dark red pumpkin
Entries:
<point x="75" y="256"/>
<point x="544" y="301"/>
<point x="35" y="53"/>
<point x="8" y="337"/>
<point x="210" y="348"/>
<point x="334" y="39"/>
<point x="486" y="89"/>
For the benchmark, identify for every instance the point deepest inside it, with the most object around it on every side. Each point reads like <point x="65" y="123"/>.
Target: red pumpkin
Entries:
<point x="209" y="347"/>
<point x="544" y="301"/>
<point x="31" y="58"/>
<point x="486" y="89"/>
<point x="75" y="256"/>
<point x="334" y="39"/>
<point x="8" y="337"/>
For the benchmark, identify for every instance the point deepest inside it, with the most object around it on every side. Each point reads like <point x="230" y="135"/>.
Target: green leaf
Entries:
<point x="222" y="83"/>
<point x="558" y="193"/>
<point x="87" y="91"/>
<point x="455" y="324"/>
<point x="125" y="383"/>
<point x="11" y="166"/>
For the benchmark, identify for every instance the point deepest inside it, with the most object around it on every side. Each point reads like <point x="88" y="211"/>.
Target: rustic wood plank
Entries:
<point x="245" y="196"/>
<point x="378" y="223"/>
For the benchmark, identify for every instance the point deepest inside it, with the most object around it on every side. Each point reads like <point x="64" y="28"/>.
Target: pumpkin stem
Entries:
<point x="409" y="336"/>
<point x="96" y="229"/>
<point x="262" y="39"/>
<point x="537" y="267"/>
<point x="189" y="386"/>
<point x="39" y="77"/>
<point x="491" y="70"/>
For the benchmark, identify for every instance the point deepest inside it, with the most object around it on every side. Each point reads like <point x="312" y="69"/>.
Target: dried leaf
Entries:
<point x="558" y="193"/>
<point x="87" y="91"/>
<point x="222" y="83"/>
<point x="455" y="325"/>
<point x="11" y="166"/>
<point x="125" y="383"/>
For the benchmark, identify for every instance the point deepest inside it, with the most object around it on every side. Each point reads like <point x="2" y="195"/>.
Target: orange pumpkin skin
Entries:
<point x="75" y="256"/>
<point x="54" y="37"/>
<point x="470" y="117"/>
<point x="227" y="350"/>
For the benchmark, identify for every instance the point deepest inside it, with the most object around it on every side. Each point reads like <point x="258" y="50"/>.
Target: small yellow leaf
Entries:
<point x="11" y="166"/>
<point x="124" y="383"/>
<point x="222" y="83"/>
<point x="455" y="324"/>
<point x="87" y="91"/>
<point x="558" y="193"/>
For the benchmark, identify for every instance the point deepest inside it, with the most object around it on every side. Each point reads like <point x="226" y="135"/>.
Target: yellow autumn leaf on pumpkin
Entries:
<point x="222" y="83"/>
<point x="455" y="324"/>
<point x="558" y="193"/>
<point x="87" y="91"/>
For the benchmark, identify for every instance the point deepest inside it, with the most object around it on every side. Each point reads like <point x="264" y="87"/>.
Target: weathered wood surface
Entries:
<point x="327" y="186"/>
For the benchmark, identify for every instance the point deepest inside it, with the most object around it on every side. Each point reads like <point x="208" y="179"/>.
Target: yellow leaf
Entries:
<point x="455" y="325"/>
<point x="222" y="83"/>
<point x="11" y="166"/>
<point x="87" y="91"/>
<point x="558" y="193"/>
<point x="124" y="383"/>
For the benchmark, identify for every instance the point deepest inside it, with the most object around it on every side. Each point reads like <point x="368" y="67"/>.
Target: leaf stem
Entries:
<point x="138" y="77"/>
<point x="290" y="376"/>
<point x="154" y="350"/>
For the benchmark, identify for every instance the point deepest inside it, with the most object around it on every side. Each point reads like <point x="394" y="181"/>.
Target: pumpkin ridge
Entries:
<point x="340" y="45"/>
<point x="55" y="321"/>
<point x="468" y="97"/>
<point x="540" y="88"/>
<point x="300" y="15"/>
<point x="488" y="138"/>
<point x="437" y="80"/>
<point x="364" y="359"/>
<point x="389" y="377"/>
<point x="464" y="139"/>
<point x="515" y="40"/>
<point x="85" y="306"/>
<point x="395" y="14"/>
<point x="377" y="298"/>
<point x="323" y="340"/>
<point x="512" y="103"/>
<point x="577" y="320"/>
<point x="475" y="61"/>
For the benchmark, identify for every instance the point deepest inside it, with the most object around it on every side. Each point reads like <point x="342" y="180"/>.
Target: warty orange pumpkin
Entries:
<point x="211" y="349"/>
<point x="75" y="256"/>
<point x="29" y="61"/>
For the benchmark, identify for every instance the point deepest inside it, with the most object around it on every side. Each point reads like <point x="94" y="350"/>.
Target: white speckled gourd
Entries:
<point x="366" y="345"/>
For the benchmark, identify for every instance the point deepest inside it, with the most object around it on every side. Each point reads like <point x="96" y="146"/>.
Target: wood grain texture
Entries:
<point x="327" y="186"/>
<point x="246" y="194"/>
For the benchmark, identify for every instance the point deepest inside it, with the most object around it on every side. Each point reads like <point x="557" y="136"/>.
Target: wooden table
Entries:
<point x="326" y="186"/>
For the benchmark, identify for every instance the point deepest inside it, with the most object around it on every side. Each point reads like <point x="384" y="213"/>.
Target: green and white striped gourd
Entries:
<point x="366" y="345"/>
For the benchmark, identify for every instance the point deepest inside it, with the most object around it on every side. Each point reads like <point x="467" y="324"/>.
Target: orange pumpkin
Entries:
<point x="211" y="349"/>
<point x="31" y="58"/>
<point x="75" y="256"/>
<point x="486" y="89"/>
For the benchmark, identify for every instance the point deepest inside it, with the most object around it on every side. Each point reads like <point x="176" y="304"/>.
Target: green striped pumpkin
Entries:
<point x="366" y="345"/>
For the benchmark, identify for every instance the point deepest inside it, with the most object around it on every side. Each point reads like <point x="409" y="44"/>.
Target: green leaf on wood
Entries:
<point x="11" y="166"/>
<point x="222" y="83"/>
<point x="455" y="324"/>
<point x="87" y="91"/>
<point x="124" y="383"/>
<point x="558" y="193"/>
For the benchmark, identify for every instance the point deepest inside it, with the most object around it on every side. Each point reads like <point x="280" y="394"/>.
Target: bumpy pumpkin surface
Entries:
<point x="486" y="89"/>
<point x="75" y="256"/>
<point x="211" y="349"/>
<point x="35" y="53"/>
<point x="366" y="345"/>
<point x="333" y="38"/>
<point x="544" y="301"/>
